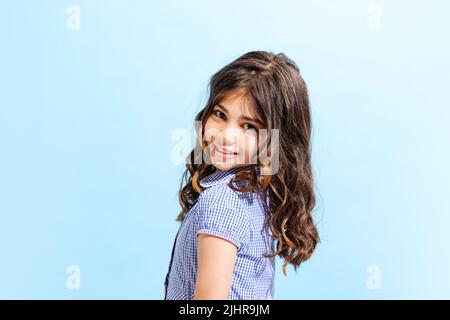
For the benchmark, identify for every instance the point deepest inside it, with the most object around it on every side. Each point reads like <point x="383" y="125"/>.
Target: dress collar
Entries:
<point x="221" y="176"/>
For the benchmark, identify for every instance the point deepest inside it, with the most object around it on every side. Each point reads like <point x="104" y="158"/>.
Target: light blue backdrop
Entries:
<point x="91" y="94"/>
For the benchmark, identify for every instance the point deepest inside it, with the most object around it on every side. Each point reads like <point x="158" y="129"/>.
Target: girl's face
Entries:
<point x="231" y="132"/>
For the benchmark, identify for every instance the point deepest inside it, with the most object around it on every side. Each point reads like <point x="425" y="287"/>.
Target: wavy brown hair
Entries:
<point x="274" y="85"/>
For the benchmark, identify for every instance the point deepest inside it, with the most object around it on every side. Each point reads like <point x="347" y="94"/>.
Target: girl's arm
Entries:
<point x="216" y="258"/>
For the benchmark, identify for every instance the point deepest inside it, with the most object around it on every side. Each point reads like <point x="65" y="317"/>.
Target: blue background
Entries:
<point x="86" y="118"/>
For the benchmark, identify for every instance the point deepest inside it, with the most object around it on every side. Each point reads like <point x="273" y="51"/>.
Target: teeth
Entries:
<point x="223" y="151"/>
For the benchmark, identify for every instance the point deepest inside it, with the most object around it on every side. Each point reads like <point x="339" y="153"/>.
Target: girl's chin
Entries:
<point x="224" y="167"/>
<point x="227" y="164"/>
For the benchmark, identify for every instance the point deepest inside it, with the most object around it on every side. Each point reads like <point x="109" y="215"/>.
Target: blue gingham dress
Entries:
<point x="232" y="215"/>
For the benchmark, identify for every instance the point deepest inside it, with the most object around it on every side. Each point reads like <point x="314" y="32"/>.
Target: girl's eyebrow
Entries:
<point x="258" y="120"/>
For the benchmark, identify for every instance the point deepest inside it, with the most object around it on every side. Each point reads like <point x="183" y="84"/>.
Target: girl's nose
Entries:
<point x="228" y="137"/>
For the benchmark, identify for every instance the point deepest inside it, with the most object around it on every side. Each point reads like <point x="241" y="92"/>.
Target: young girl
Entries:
<point x="234" y="205"/>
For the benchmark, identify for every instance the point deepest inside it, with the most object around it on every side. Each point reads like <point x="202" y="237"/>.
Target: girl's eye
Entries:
<point x="218" y="113"/>
<point x="222" y="115"/>
<point x="249" y="126"/>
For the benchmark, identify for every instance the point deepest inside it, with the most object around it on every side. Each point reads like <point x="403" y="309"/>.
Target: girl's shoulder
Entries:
<point x="222" y="212"/>
<point x="218" y="191"/>
<point x="222" y="197"/>
<point x="222" y="194"/>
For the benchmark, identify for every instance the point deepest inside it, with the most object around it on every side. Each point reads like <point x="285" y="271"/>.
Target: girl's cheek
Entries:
<point x="210" y="131"/>
<point x="252" y="143"/>
<point x="249" y="147"/>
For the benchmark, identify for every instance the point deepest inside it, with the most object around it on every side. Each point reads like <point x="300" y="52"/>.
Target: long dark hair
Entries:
<point x="274" y="84"/>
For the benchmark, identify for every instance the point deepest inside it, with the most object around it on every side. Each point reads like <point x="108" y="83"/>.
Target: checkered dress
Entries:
<point x="232" y="215"/>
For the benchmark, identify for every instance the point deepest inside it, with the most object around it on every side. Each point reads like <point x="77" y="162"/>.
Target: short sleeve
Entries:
<point x="221" y="213"/>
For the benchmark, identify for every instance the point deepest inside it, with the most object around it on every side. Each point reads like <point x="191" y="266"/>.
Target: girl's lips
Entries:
<point x="215" y="151"/>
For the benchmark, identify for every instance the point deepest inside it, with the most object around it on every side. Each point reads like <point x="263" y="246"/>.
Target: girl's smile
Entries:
<point x="221" y="152"/>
